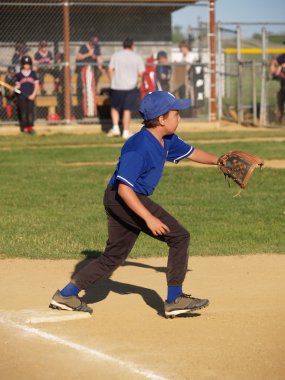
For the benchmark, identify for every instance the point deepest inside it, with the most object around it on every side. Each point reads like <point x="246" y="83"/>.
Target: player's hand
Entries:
<point x="31" y="97"/>
<point x="156" y="226"/>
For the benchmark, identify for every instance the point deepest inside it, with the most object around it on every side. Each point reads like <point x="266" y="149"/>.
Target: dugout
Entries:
<point x="65" y="25"/>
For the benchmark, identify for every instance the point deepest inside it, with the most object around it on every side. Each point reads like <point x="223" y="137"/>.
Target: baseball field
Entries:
<point x="52" y="220"/>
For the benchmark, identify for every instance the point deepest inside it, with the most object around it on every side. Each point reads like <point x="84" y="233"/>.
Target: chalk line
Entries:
<point x="82" y="349"/>
<point x="43" y="315"/>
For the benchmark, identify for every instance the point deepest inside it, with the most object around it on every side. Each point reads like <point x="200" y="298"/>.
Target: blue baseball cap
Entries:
<point x="157" y="103"/>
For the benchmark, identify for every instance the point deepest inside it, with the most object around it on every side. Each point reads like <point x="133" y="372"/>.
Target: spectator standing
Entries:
<point x="277" y="69"/>
<point x="44" y="64"/>
<point x="125" y="71"/>
<point x="148" y="83"/>
<point x="10" y="97"/>
<point x="163" y="72"/>
<point x="89" y="70"/>
<point x="59" y="80"/>
<point x="27" y="82"/>
<point x="186" y="56"/>
<point x="21" y="49"/>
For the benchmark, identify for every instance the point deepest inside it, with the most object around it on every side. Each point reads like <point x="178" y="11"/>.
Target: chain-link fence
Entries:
<point x="76" y="87"/>
<point x="40" y="29"/>
<point x="247" y="91"/>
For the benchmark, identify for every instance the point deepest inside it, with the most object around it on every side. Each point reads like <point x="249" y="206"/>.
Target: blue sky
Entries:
<point x="237" y="10"/>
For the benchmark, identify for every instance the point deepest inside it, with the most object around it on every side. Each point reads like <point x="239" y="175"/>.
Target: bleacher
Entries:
<point x="47" y="104"/>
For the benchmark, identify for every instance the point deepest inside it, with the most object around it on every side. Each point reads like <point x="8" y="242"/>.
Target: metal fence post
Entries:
<point x="263" y="100"/>
<point x="67" y="79"/>
<point x="213" y="105"/>
<point x="220" y="94"/>
<point x="239" y="78"/>
<point x="253" y="73"/>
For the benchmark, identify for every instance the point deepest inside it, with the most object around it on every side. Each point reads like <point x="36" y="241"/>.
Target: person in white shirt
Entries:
<point x="186" y="55"/>
<point x="125" y="71"/>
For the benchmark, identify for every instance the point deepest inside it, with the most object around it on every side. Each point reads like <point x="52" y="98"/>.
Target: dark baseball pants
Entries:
<point x="124" y="227"/>
<point x="26" y="112"/>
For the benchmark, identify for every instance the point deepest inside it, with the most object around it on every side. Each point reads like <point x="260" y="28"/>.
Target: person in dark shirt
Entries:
<point x="21" y="49"/>
<point x="59" y="79"/>
<point x="44" y="64"/>
<point x="10" y="96"/>
<point x="277" y="69"/>
<point x="163" y="72"/>
<point x="88" y="60"/>
<point x="27" y="82"/>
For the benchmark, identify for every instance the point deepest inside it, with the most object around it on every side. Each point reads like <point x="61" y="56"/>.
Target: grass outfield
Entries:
<point x="53" y="210"/>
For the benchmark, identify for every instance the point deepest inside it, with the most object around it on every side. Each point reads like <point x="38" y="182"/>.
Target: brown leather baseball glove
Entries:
<point x="239" y="166"/>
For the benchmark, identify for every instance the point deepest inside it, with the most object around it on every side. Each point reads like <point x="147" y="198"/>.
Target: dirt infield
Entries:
<point x="239" y="336"/>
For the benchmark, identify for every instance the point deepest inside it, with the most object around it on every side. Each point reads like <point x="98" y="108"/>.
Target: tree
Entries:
<point x="177" y="34"/>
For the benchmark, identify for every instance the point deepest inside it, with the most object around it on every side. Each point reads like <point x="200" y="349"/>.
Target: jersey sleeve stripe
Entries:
<point x="125" y="180"/>
<point x="184" y="155"/>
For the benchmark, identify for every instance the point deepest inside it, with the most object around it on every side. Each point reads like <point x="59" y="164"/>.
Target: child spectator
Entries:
<point x="44" y="64"/>
<point x="59" y="80"/>
<point x="163" y="72"/>
<point x="10" y="79"/>
<point x="277" y="69"/>
<point x="27" y="82"/>
<point x="89" y="69"/>
<point x="21" y="49"/>
<point x="148" y="78"/>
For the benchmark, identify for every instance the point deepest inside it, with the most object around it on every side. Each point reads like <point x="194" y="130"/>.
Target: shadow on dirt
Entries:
<point x="100" y="290"/>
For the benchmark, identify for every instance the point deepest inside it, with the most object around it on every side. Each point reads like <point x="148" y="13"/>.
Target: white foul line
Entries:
<point x="82" y="349"/>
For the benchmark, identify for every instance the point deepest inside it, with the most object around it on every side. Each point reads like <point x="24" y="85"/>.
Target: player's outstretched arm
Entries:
<point x="203" y="157"/>
<point x="132" y="201"/>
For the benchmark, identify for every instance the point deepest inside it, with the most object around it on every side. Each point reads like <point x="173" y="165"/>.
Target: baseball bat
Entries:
<point x="4" y="84"/>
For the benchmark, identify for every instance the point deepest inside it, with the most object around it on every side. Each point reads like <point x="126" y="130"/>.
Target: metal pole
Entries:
<point x="239" y="78"/>
<point x="263" y="105"/>
<point x="220" y="95"/>
<point x="213" y="105"/>
<point x="254" y="93"/>
<point x="67" y="79"/>
<point x="228" y="76"/>
<point x="200" y="32"/>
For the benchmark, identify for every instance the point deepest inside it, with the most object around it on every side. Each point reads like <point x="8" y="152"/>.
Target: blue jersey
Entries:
<point x="27" y="80"/>
<point x="142" y="160"/>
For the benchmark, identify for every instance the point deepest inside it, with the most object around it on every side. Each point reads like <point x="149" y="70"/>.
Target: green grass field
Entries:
<point x="53" y="210"/>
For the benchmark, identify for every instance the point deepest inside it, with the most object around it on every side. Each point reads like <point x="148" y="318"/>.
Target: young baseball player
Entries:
<point x="277" y="69"/>
<point x="130" y="210"/>
<point x="162" y="72"/>
<point x="10" y="96"/>
<point x="27" y="82"/>
<point x="89" y="69"/>
<point x="44" y="64"/>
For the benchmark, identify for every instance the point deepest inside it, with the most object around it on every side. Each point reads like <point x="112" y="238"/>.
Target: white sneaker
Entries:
<point x="127" y="135"/>
<point x="115" y="131"/>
